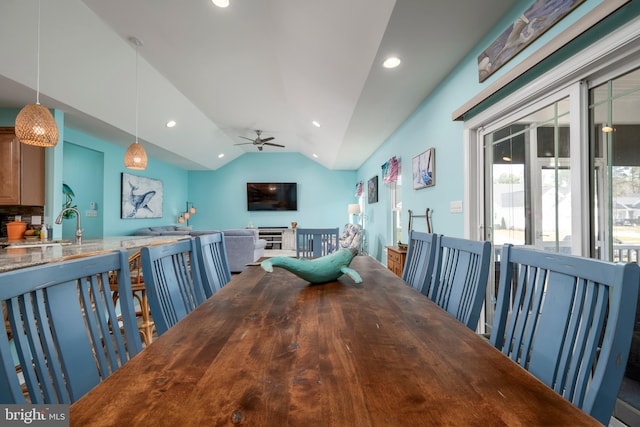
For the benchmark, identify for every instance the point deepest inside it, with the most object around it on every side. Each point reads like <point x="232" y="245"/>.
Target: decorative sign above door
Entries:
<point x="534" y="22"/>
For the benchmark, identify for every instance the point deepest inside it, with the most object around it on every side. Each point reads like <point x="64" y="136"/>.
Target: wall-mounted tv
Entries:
<point x="272" y="196"/>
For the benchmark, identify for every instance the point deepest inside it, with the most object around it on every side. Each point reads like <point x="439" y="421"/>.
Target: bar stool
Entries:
<point x="146" y="325"/>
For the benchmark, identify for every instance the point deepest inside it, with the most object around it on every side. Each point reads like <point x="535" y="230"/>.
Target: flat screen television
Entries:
<point x="272" y="196"/>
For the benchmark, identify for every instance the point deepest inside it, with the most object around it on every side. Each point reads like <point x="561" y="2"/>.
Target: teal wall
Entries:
<point x="431" y="126"/>
<point x="83" y="173"/>
<point x="8" y="116"/>
<point x="175" y="185"/>
<point x="220" y="196"/>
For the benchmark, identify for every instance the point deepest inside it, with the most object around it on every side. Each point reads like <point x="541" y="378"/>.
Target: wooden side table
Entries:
<point x="395" y="259"/>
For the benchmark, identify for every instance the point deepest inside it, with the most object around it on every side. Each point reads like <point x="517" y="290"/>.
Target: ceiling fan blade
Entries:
<point x="267" y="139"/>
<point x="248" y="139"/>
<point x="274" y="145"/>
<point x="244" y="143"/>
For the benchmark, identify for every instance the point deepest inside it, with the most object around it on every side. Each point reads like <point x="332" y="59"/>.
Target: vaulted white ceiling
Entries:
<point x="274" y="65"/>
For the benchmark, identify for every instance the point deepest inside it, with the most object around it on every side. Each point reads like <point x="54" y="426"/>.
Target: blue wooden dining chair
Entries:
<point x="569" y="321"/>
<point x="212" y="262"/>
<point x="65" y="329"/>
<point x="316" y="242"/>
<point x="420" y="260"/>
<point x="173" y="281"/>
<point x="460" y="277"/>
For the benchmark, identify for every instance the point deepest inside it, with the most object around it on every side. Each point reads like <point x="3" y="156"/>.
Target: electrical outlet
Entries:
<point x="91" y="212"/>
<point x="455" y="206"/>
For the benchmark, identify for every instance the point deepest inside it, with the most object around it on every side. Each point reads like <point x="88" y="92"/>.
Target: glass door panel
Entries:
<point x="528" y="185"/>
<point x="614" y="138"/>
<point x="554" y="225"/>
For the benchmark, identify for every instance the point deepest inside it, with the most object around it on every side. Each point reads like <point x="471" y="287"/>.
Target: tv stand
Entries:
<point x="278" y="237"/>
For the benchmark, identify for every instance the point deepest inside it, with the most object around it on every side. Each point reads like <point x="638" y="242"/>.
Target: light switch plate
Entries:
<point x="455" y="206"/>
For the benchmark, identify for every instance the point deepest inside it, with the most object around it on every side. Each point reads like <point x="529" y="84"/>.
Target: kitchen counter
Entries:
<point x="29" y="253"/>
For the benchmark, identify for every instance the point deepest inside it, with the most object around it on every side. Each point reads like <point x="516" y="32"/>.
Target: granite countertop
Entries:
<point x="29" y="253"/>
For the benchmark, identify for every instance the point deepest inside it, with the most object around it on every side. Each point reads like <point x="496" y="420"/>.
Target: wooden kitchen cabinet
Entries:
<point x="395" y="259"/>
<point x="21" y="171"/>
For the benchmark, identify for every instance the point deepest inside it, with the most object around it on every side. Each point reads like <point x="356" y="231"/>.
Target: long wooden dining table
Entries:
<point x="269" y="349"/>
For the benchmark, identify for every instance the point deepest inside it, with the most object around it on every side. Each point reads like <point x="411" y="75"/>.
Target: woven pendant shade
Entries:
<point x="135" y="157"/>
<point x="35" y="126"/>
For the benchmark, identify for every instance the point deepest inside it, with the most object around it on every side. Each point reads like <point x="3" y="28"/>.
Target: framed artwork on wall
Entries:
<point x="423" y="167"/>
<point x="535" y="21"/>
<point x="141" y="197"/>
<point x="372" y="190"/>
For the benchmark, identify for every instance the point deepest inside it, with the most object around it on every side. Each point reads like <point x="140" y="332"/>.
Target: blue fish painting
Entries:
<point x="141" y="197"/>
<point x="140" y="201"/>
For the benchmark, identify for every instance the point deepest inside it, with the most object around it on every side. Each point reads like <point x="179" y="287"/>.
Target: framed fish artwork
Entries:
<point x="141" y="197"/>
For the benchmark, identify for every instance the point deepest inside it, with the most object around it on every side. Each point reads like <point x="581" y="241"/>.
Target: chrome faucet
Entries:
<point x="78" y="228"/>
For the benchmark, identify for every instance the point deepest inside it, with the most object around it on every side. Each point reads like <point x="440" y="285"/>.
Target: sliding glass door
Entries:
<point x="563" y="175"/>
<point x="614" y="120"/>
<point x="528" y="184"/>
<point x="614" y="136"/>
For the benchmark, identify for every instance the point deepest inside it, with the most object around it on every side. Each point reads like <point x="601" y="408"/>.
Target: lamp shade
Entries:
<point x="35" y="126"/>
<point x="354" y="209"/>
<point x="135" y="157"/>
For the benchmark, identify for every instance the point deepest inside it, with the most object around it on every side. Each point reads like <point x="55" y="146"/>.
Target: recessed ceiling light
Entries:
<point x="171" y="123"/>
<point x="315" y="155"/>
<point x="316" y="124"/>
<point x="221" y="3"/>
<point x="221" y="155"/>
<point x="391" y="62"/>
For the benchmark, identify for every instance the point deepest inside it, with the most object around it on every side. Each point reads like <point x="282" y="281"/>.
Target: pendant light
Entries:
<point x="34" y="123"/>
<point x="135" y="157"/>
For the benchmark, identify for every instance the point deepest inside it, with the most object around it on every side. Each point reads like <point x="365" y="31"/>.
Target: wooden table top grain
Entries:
<point x="271" y="350"/>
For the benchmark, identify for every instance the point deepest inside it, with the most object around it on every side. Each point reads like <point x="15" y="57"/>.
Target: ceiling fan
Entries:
<point x="260" y="142"/>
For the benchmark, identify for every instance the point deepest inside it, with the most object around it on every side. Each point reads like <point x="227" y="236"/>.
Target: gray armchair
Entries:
<point x="243" y="247"/>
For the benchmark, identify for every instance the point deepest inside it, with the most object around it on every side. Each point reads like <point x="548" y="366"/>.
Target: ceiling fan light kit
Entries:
<point x="260" y="142"/>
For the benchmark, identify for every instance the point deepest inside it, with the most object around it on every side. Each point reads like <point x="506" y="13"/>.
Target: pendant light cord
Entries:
<point x="137" y="96"/>
<point x="38" y="59"/>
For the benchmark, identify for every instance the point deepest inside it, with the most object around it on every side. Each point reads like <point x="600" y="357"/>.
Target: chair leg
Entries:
<point x="147" y="325"/>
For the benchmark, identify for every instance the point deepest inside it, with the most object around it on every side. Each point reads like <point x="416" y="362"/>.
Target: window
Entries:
<point x="395" y="193"/>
